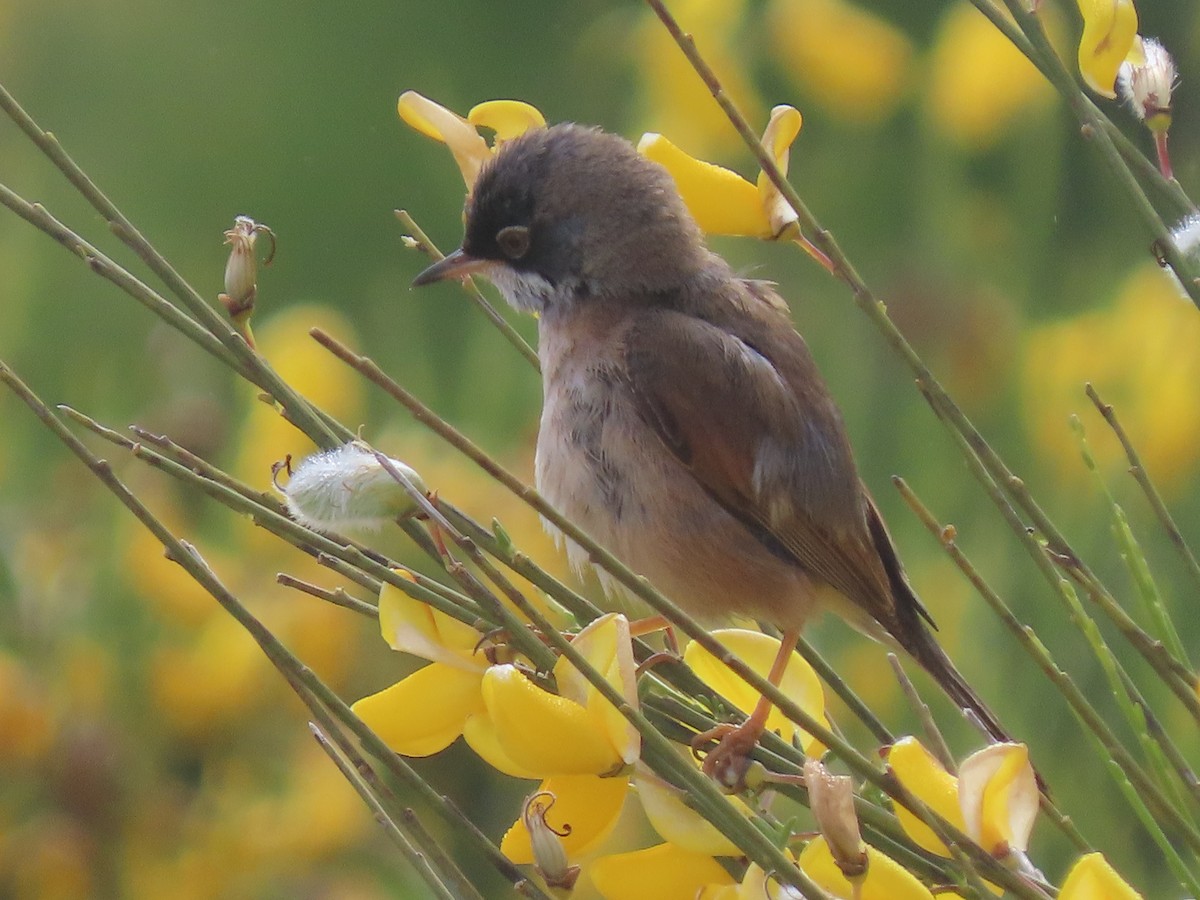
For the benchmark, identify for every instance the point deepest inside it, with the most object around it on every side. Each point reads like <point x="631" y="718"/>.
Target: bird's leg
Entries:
<point x="727" y="762"/>
<point x="649" y="625"/>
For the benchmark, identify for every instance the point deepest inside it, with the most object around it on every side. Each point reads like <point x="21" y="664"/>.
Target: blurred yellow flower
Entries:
<point x="758" y="651"/>
<point x="200" y="687"/>
<point x="979" y="83"/>
<point x="507" y="118"/>
<point x="27" y="726"/>
<point x="1092" y="878"/>
<point x="1109" y="29"/>
<point x="674" y="97"/>
<point x="884" y="879"/>
<point x="1140" y="352"/>
<point x="657" y="872"/>
<point x="720" y="200"/>
<point x="854" y="63"/>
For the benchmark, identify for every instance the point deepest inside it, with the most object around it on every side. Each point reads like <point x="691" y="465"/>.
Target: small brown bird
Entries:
<point x="685" y="425"/>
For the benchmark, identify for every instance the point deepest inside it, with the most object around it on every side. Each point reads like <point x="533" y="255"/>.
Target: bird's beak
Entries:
<point x="458" y="264"/>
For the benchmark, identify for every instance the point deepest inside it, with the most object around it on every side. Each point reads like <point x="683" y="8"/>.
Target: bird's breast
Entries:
<point x="602" y="466"/>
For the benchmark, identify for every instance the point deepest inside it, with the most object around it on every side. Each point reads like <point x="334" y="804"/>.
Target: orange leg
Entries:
<point x="728" y="760"/>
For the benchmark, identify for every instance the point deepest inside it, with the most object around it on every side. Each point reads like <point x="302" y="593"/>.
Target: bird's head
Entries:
<point x="568" y="213"/>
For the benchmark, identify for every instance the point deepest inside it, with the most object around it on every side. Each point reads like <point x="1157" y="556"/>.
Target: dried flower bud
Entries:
<point x="348" y="488"/>
<point x="549" y="855"/>
<point x="831" y="798"/>
<point x="1147" y="86"/>
<point x="241" y="271"/>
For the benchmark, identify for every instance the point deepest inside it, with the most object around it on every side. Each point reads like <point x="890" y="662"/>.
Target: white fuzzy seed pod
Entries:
<point x="348" y="488"/>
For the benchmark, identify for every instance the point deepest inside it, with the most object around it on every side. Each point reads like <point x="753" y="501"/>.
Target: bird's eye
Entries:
<point x="513" y="241"/>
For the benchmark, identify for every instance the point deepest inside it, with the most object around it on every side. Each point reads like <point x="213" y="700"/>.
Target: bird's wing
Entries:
<point x="740" y="403"/>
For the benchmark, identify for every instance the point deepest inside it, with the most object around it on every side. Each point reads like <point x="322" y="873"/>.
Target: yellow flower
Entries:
<point x="1092" y="878"/>
<point x="853" y="62"/>
<point x="979" y="83"/>
<point x="884" y="879"/>
<point x="507" y="118"/>
<point x="994" y="799"/>
<point x="656" y="872"/>
<point x="721" y="201"/>
<point x="425" y="712"/>
<point x="1109" y="29"/>
<point x="998" y="795"/>
<point x="584" y="812"/>
<point x="918" y="771"/>
<point x="678" y="823"/>
<point x="576" y="731"/>
<point x="511" y="723"/>
<point x="758" y="651"/>
<point x="673" y="95"/>
<point x="1140" y="354"/>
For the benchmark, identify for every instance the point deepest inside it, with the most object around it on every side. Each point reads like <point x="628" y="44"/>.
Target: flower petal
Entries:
<point x="414" y="627"/>
<point x="585" y="805"/>
<point x="507" y="118"/>
<point x="675" y="821"/>
<point x="435" y="121"/>
<point x="1109" y="29"/>
<point x="425" y="712"/>
<point x="480" y="734"/>
<point x="980" y="85"/>
<point x="721" y="201"/>
<point x="758" y="651"/>
<point x="1092" y="878"/>
<point x="656" y="872"/>
<point x="998" y="794"/>
<point x="938" y="789"/>
<point x="605" y="643"/>
<point x="543" y="732"/>
<point x="857" y="65"/>
<point x="885" y="879"/>
<point x="781" y="131"/>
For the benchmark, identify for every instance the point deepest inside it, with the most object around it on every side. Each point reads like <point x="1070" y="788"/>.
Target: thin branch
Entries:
<point x="1138" y="471"/>
<point x="469" y="285"/>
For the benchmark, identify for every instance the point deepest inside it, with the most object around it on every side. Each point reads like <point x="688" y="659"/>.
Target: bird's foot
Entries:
<point x="728" y="762"/>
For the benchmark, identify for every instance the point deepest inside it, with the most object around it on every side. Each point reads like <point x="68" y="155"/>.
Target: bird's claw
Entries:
<point x="728" y="762"/>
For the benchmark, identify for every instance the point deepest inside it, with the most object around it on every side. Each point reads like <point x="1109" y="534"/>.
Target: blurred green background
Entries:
<point x="146" y="750"/>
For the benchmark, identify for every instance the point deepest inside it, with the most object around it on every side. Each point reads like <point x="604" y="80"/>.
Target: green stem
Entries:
<point x="317" y="692"/>
<point x="270" y="514"/>
<point x="1172" y="671"/>
<point x="829" y="676"/>
<point x="416" y="857"/>
<point x="642" y="589"/>
<point x="1107" y="742"/>
<point x="1138" y="471"/>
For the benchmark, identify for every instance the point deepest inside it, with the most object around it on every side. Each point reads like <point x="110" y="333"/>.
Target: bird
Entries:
<point x="685" y="425"/>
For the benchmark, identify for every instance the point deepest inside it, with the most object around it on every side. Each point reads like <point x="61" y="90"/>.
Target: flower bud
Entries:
<point x="549" y="855"/>
<point x="348" y="488"/>
<point x="831" y="799"/>
<point x="241" y="271"/>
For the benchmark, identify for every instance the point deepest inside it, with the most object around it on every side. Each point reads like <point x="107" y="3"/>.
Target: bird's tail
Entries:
<point x="911" y="626"/>
<point x="921" y="645"/>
